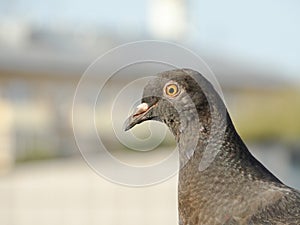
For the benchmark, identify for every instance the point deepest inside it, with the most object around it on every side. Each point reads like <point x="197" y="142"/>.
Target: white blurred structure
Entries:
<point x="167" y="19"/>
<point x="14" y="33"/>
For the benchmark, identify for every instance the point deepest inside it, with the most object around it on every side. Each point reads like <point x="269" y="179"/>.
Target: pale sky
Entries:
<point x="263" y="30"/>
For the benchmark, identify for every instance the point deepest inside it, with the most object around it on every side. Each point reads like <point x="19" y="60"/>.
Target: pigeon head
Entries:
<point x="180" y="99"/>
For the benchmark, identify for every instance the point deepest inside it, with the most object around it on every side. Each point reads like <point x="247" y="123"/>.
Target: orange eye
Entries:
<point x="171" y="90"/>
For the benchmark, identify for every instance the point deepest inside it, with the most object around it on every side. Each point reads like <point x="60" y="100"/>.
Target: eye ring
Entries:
<point x="172" y="90"/>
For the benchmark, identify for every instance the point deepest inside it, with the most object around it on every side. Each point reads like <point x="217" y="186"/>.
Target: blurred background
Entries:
<point x="252" y="47"/>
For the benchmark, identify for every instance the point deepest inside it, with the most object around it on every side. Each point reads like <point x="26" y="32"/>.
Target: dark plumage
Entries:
<point x="220" y="182"/>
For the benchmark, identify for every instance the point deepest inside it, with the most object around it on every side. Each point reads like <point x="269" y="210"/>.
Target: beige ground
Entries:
<point x="69" y="193"/>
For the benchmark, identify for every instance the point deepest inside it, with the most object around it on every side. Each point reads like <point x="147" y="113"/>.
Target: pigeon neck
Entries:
<point x="206" y="137"/>
<point x="218" y="148"/>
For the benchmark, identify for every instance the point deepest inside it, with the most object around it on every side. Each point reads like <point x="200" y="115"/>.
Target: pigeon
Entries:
<point x="219" y="180"/>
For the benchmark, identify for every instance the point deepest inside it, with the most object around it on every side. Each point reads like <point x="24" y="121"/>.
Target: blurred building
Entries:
<point x="35" y="108"/>
<point x="42" y="60"/>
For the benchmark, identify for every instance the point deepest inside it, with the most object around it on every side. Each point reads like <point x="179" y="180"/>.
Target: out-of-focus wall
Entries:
<point x="7" y="141"/>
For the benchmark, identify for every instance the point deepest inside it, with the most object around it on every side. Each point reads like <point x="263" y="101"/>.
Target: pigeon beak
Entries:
<point x="141" y="114"/>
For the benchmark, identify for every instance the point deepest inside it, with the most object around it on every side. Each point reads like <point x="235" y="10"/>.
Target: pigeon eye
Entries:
<point x="171" y="90"/>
